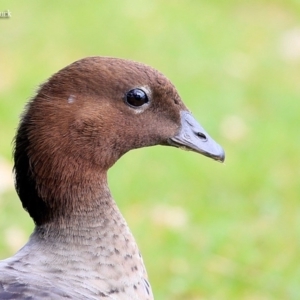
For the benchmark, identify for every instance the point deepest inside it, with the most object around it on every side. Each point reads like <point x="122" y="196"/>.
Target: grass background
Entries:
<point x="206" y="230"/>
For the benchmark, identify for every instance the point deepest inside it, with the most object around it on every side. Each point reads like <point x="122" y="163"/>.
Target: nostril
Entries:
<point x="201" y="135"/>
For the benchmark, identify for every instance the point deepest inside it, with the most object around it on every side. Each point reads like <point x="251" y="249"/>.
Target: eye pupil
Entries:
<point x="136" y="97"/>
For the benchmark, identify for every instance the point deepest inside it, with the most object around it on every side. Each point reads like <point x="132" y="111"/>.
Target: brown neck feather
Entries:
<point x="51" y="190"/>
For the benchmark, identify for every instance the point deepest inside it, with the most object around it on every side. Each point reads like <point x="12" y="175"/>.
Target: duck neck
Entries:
<point x="80" y="233"/>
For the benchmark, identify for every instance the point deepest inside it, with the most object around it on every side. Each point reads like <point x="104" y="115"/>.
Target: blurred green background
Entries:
<point x="206" y="230"/>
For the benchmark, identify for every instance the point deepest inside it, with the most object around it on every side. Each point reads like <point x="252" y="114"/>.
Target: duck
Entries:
<point x="77" y="125"/>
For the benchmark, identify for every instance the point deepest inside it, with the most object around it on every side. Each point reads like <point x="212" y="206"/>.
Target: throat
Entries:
<point x="96" y="221"/>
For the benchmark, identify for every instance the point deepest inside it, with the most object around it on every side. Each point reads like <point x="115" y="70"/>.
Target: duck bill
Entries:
<point x="193" y="137"/>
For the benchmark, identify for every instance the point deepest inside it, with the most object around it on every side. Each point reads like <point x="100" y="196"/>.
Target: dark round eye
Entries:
<point x="136" y="97"/>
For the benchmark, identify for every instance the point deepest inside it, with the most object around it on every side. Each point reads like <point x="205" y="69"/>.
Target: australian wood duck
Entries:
<point x="80" y="122"/>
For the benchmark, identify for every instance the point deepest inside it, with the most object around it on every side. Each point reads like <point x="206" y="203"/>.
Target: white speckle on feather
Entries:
<point x="71" y="99"/>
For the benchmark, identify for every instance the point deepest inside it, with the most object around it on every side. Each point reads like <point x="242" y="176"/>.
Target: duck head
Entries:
<point x="84" y="118"/>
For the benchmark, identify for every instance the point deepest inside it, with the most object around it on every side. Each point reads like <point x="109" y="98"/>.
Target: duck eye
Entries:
<point x="136" y="97"/>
